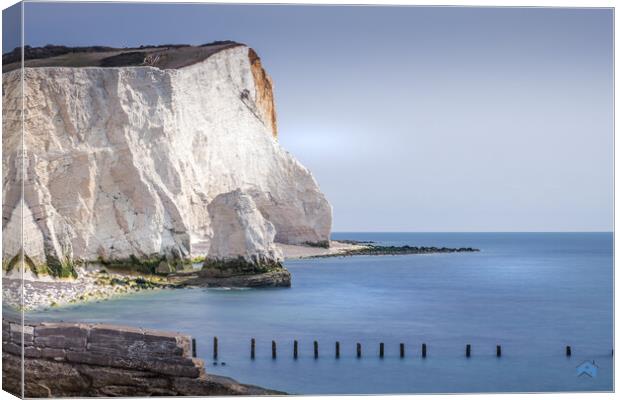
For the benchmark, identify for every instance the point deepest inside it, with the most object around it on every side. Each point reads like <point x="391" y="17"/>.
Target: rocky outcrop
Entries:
<point x="240" y="231"/>
<point x="228" y="275"/>
<point x="242" y="251"/>
<point x="121" y="163"/>
<point x="73" y="359"/>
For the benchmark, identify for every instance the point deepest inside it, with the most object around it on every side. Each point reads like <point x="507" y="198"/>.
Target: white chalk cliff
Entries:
<point x="240" y="230"/>
<point x="141" y="162"/>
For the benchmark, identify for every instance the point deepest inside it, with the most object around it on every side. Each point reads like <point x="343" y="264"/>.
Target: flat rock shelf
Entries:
<point x="76" y="359"/>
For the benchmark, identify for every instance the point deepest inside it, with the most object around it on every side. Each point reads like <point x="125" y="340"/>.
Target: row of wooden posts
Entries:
<point x="358" y="349"/>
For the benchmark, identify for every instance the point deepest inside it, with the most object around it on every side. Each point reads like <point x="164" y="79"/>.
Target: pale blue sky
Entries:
<point x="411" y="118"/>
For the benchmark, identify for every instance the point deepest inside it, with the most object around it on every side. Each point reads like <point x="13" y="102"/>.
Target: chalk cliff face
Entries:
<point x="240" y="230"/>
<point x="126" y="162"/>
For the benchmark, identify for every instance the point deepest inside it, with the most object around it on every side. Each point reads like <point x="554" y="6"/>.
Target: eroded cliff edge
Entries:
<point x="122" y="163"/>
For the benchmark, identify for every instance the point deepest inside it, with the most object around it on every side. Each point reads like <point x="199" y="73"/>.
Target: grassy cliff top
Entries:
<point x="162" y="56"/>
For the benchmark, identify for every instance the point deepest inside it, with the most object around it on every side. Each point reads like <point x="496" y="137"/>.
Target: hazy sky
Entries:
<point x="413" y="119"/>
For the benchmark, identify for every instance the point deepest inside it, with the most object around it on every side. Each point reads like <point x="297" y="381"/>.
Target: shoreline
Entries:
<point x="93" y="285"/>
<point x="346" y="248"/>
<point x="336" y="248"/>
<point x="102" y="284"/>
<point x="89" y="286"/>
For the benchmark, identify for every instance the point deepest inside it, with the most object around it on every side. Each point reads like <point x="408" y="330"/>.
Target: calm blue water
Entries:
<point x="533" y="293"/>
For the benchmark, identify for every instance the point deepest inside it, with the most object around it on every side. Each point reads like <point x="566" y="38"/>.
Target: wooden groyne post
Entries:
<point x="215" y="347"/>
<point x="194" y="347"/>
<point x="568" y="351"/>
<point x="337" y="348"/>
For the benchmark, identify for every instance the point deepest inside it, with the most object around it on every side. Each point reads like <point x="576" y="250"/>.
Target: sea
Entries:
<point x="533" y="294"/>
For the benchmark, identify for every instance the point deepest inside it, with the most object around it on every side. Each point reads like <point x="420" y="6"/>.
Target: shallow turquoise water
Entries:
<point x="532" y="293"/>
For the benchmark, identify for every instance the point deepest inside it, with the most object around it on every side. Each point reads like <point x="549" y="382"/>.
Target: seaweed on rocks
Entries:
<point x="376" y="250"/>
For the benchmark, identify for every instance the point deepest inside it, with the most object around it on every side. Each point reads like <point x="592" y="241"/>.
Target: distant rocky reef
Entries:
<point x="376" y="250"/>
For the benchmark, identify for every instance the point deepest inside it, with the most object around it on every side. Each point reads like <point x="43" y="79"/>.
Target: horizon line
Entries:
<point x="611" y="231"/>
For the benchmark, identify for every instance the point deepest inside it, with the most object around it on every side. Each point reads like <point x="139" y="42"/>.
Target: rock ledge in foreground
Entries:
<point x="86" y="360"/>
